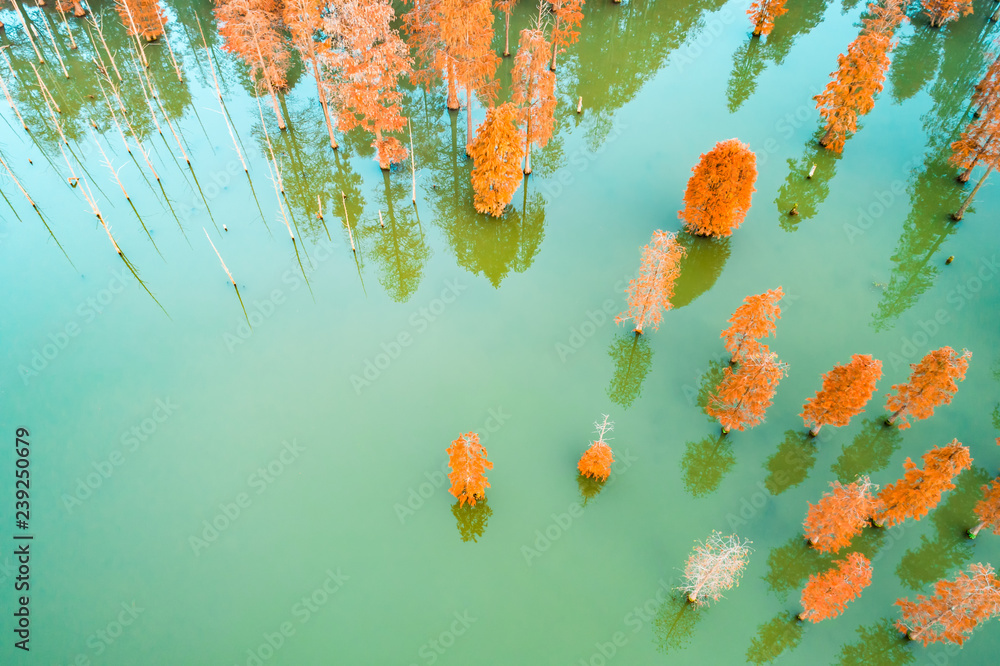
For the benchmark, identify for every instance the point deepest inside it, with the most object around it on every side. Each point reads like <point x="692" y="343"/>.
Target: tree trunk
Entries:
<point x="378" y="141"/>
<point x="506" y="48"/>
<point x="895" y="415"/>
<point x="277" y="109"/>
<point x="826" y="137"/>
<point x="452" y="92"/>
<point x="961" y="211"/>
<point x="468" y="121"/>
<point x="323" y="102"/>
<point x="555" y="43"/>
<point x="527" y="147"/>
<point x="975" y="530"/>
<point x="814" y="432"/>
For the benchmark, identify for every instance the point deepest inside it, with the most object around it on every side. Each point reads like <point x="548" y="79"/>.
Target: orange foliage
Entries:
<point x="506" y="7"/>
<point x="533" y="89"/>
<point x="496" y="153"/>
<point x="369" y="58"/>
<point x="988" y="508"/>
<point x="956" y="608"/>
<point x="752" y="321"/>
<point x="742" y="397"/>
<point x="846" y="390"/>
<point x="718" y="193"/>
<point x="827" y="594"/>
<point x="251" y="29"/>
<point x="860" y="75"/>
<point x="568" y="15"/>
<point x="940" y="12"/>
<point x="649" y="294"/>
<point x="75" y="5"/>
<point x="453" y="40"/>
<point x="932" y="383"/>
<point x="144" y="18"/>
<point x="467" y="459"/>
<point x="762" y="14"/>
<point x="840" y="515"/>
<point x="304" y="19"/>
<point x="920" y="490"/>
<point x="596" y="461"/>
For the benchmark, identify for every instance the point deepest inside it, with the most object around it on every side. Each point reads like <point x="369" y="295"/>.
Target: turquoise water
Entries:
<point x="334" y="539"/>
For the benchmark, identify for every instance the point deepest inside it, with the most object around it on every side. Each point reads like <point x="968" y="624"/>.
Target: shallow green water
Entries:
<point x="336" y="474"/>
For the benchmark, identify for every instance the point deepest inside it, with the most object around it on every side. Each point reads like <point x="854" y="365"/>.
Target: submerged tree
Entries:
<point x="568" y="15"/>
<point x="753" y="320"/>
<point x="251" y="30"/>
<point x="920" y="489"/>
<point x="467" y="459"/>
<point x="304" y="19"/>
<point x="827" y="594"/>
<point x="840" y="515"/>
<point x="369" y="58"/>
<point x="846" y="390"/>
<point x="596" y="461"/>
<point x="533" y="90"/>
<point x="860" y="74"/>
<point x="988" y="508"/>
<point x="718" y="193"/>
<point x="141" y="18"/>
<point x="978" y="145"/>
<point x="714" y="567"/>
<point x="762" y="14"/>
<point x="939" y="12"/>
<point x="505" y="7"/>
<point x="932" y="383"/>
<point x="956" y="608"/>
<point x="452" y="40"/>
<point x="496" y="154"/>
<point x="743" y="396"/>
<point x="649" y="294"/>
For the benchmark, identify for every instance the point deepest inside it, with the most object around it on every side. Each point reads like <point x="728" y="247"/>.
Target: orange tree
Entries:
<point x="718" y="193"/>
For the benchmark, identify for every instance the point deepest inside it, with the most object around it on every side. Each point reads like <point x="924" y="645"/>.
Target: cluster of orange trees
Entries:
<point x="358" y="59"/>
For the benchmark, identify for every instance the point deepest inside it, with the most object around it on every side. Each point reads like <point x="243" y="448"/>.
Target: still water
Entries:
<point x="208" y="493"/>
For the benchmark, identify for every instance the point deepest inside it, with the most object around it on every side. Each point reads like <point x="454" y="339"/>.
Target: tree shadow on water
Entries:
<point x="780" y="633"/>
<point x="675" y="622"/>
<point x="790" y="464"/>
<point x="879" y="644"/>
<point x="471" y="519"/>
<point x="870" y="451"/>
<point x="706" y="463"/>
<point x="633" y="357"/>
<point x="948" y="547"/>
